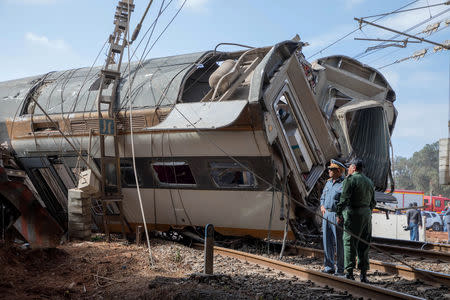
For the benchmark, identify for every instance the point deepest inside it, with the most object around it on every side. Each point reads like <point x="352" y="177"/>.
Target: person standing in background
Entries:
<point x="414" y="221"/>
<point x="447" y="223"/>
<point x="444" y="215"/>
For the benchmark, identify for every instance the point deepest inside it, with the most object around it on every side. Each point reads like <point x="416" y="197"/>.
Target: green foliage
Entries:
<point x="417" y="172"/>
<point x="177" y="256"/>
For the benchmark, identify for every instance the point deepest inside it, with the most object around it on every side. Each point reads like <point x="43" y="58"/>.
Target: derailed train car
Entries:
<point x="237" y="139"/>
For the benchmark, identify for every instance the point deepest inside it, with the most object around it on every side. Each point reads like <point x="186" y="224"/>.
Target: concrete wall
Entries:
<point x="393" y="228"/>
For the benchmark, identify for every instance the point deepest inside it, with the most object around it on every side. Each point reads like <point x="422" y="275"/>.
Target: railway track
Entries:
<point x="355" y="288"/>
<point x="432" y="251"/>
<point x="412" y="244"/>
<point x="433" y="278"/>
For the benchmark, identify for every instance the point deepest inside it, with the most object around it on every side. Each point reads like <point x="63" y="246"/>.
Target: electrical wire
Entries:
<point x="133" y="152"/>
<point x="152" y="28"/>
<point x="167" y="26"/>
<point x="411" y="9"/>
<point x="406" y="58"/>
<point x="355" y="30"/>
<point x="399" y="49"/>
<point x="364" y="54"/>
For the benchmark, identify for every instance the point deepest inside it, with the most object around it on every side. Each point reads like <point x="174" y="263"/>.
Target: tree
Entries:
<point x="402" y="174"/>
<point x="417" y="172"/>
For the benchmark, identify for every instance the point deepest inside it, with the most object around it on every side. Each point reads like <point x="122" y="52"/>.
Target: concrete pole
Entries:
<point x="209" y="249"/>
<point x="138" y="235"/>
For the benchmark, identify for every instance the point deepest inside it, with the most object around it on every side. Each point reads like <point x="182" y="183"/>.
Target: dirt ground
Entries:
<point x="99" y="270"/>
<point x="436" y="236"/>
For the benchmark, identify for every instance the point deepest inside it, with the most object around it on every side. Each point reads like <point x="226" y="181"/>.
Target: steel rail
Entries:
<point x="355" y="288"/>
<point x="433" y="278"/>
<point x="413" y="244"/>
<point x="442" y="256"/>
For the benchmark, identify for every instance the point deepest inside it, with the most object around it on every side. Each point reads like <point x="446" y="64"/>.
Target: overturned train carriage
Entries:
<point x="213" y="133"/>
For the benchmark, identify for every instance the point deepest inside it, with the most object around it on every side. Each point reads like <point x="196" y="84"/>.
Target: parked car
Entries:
<point x="433" y="220"/>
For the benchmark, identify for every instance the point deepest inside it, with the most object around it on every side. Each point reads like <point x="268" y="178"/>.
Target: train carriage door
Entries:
<point x="52" y="179"/>
<point x="296" y="139"/>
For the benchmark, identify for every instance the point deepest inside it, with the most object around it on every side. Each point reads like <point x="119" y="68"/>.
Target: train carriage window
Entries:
<point x="231" y="175"/>
<point x="173" y="173"/>
<point x="127" y="174"/>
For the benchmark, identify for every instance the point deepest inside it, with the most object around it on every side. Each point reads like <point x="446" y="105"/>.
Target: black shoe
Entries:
<point x="363" y="278"/>
<point x="350" y="276"/>
<point x="328" y="271"/>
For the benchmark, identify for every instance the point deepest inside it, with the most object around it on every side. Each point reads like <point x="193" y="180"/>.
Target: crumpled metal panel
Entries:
<point x="34" y="223"/>
<point x="12" y="94"/>
<point x="270" y="63"/>
<point x="202" y="115"/>
<point x="357" y="69"/>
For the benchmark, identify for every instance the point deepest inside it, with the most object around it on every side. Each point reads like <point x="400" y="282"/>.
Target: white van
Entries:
<point x="433" y="220"/>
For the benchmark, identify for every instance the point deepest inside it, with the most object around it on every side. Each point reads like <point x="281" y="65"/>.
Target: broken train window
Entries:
<point x="173" y="173"/>
<point x="232" y="175"/>
<point x="127" y="174"/>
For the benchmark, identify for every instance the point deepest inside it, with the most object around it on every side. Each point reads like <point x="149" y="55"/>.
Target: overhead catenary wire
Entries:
<point x="365" y="53"/>
<point x="133" y="153"/>
<point x="427" y="54"/>
<point x="139" y="25"/>
<point x="400" y="32"/>
<point x="144" y="53"/>
<point x="407" y="10"/>
<point x="152" y="29"/>
<point x="165" y="28"/>
<point x="355" y="30"/>
<point x="397" y="50"/>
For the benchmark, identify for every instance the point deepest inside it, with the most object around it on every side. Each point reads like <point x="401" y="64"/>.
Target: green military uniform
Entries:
<point x="356" y="204"/>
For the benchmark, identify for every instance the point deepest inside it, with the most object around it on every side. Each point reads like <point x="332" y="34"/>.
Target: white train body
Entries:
<point x="208" y="154"/>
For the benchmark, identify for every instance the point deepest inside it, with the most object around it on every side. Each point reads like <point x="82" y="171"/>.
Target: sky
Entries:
<point x="39" y="36"/>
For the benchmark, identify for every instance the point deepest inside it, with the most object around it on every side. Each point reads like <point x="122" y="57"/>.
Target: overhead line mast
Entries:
<point x="108" y="107"/>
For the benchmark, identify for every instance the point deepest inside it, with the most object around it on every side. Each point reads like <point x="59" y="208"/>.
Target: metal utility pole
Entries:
<point x="108" y="106"/>
<point x="402" y="33"/>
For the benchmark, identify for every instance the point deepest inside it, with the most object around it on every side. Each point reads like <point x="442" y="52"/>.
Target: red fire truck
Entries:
<point x="407" y="197"/>
<point x="437" y="203"/>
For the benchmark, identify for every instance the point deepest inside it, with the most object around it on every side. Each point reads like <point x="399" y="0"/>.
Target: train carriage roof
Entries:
<point x="156" y="82"/>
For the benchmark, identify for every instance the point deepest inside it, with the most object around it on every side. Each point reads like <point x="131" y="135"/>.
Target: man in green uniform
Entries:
<point x="355" y="210"/>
